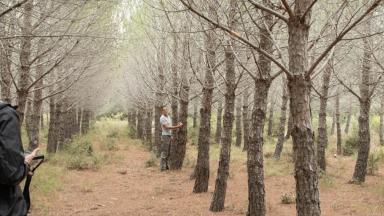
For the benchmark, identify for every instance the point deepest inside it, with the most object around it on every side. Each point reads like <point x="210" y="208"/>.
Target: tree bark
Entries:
<point x="148" y="128"/>
<point x="25" y="53"/>
<point x="5" y="64"/>
<point x="176" y="160"/>
<point x="36" y="108"/>
<point x="290" y="124"/>
<point x="333" y="124"/>
<point x="219" y="193"/>
<point x="270" y="119"/>
<point x="245" y="118"/>
<point x="159" y="95"/>
<point x="239" y="135"/>
<point x="322" y="137"/>
<point x="85" y="121"/>
<point x="307" y="192"/>
<point x="382" y="121"/>
<point x="202" y="165"/>
<point x="282" y="121"/>
<point x="195" y="113"/>
<point x="338" y="125"/>
<point x="255" y="161"/>
<point x="140" y="124"/>
<point x="349" y="116"/>
<point x="365" y="106"/>
<point x="219" y="121"/>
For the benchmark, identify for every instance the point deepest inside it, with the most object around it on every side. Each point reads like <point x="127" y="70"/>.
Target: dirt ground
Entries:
<point x="146" y="191"/>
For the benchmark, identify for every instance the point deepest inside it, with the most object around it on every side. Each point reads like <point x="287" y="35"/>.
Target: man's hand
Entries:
<point x="28" y="159"/>
<point x="179" y="125"/>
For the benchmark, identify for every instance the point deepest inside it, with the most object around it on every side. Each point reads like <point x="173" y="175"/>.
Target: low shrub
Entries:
<point x="288" y="198"/>
<point x="351" y="145"/>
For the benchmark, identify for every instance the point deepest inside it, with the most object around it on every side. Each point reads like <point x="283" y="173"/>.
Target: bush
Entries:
<point x="81" y="162"/>
<point x="110" y="141"/>
<point x="351" y="145"/>
<point x="288" y="198"/>
<point x="373" y="162"/>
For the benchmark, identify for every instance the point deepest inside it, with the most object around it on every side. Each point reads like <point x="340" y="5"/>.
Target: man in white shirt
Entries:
<point x="166" y="137"/>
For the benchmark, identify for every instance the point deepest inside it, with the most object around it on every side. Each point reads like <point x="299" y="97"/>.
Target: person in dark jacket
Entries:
<point x="14" y="167"/>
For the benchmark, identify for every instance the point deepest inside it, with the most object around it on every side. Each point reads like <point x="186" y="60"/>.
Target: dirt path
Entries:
<point x="146" y="191"/>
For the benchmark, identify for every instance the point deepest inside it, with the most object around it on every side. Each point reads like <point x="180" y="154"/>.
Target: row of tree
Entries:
<point x="254" y="53"/>
<point x="52" y="54"/>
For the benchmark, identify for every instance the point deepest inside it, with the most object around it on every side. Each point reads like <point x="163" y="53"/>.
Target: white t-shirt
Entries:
<point x="165" y="120"/>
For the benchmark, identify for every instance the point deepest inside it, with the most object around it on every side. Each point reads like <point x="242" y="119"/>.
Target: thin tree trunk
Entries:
<point x="365" y="106"/>
<point x="239" y="135"/>
<point x="85" y="121"/>
<point x="306" y="176"/>
<point x="282" y="120"/>
<point x="322" y="137"/>
<point x="338" y="126"/>
<point x="219" y="193"/>
<point x="290" y="124"/>
<point x="175" y="91"/>
<point x="349" y="116"/>
<point x="382" y="121"/>
<point x="255" y="162"/>
<point x="245" y="118"/>
<point x="36" y="108"/>
<point x="140" y="124"/>
<point x="159" y="96"/>
<point x="202" y="165"/>
<point x="195" y="113"/>
<point x="25" y="53"/>
<point x="176" y="161"/>
<point x="5" y="64"/>
<point x="148" y="128"/>
<point x="270" y="119"/>
<point x="219" y="121"/>
<point x="333" y="124"/>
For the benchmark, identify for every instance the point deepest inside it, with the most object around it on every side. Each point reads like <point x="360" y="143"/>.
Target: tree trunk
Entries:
<point x="255" y="162"/>
<point x="239" y="135"/>
<point x="245" y="118"/>
<point x="382" y="121"/>
<point x="306" y="176"/>
<point x="365" y="106"/>
<point x="219" y="193"/>
<point x="219" y="121"/>
<point x="333" y="124"/>
<point x="175" y="91"/>
<point x="322" y="137"/>
<point x="176" y="160"/>
<point x="338" y="126"/>
<point x="36" y="108"/>
<point x="148" y="128"/>
<point x="59" y="124"/>
<point x="202" y="165"/>
<point x="349" y="116"/>
<point x="282" y="120"/>
<point x="5" y="64"/>
<point x="140" y="124"/>
<point x="85" y="121"/>
<point x="195" y="108"/>
<point x="25" y="53"/>
<point x="159" y="96"/>
<point x="270" y="119"/>
<point x="290" y="124"/>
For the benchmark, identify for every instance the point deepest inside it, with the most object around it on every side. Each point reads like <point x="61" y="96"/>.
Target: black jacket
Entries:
<point x="12" y="167"/>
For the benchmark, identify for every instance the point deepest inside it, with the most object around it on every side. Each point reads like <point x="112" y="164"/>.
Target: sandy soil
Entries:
<point x="146" y="191"/>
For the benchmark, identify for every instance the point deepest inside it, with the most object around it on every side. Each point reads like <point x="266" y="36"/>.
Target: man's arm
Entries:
<point x="12" y="166"/>
<point x="169" y="126"/>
